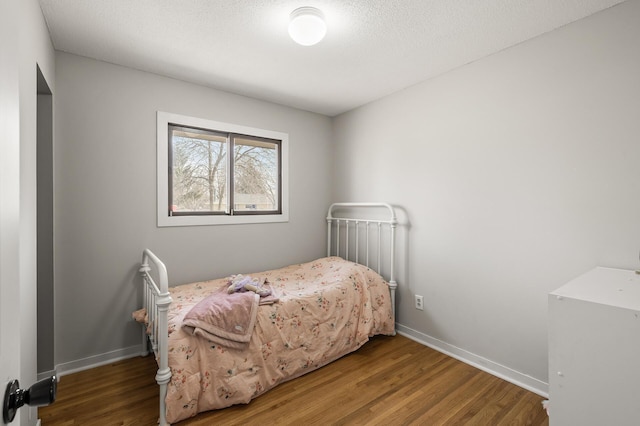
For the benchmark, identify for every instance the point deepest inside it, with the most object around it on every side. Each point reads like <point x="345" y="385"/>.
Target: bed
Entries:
<point x="214" y="352"/>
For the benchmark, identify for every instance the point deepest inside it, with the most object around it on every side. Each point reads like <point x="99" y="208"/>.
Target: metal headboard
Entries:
<point x="352" y="226"/>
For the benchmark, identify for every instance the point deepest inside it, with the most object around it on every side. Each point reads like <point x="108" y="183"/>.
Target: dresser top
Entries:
<point x="608" y="286"/>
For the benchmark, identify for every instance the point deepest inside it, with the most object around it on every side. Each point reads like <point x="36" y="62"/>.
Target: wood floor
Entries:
<point x="389" y="381"/>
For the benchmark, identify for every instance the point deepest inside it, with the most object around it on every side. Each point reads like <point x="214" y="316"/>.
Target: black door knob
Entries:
<point x="41" y="393"/>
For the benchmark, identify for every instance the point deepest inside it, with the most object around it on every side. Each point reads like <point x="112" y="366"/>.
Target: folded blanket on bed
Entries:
<point x="225" y="319"/>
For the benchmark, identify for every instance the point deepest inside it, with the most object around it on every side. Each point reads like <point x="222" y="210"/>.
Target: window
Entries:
<point x="204" y="179"/>
<point x="200" y="183"/>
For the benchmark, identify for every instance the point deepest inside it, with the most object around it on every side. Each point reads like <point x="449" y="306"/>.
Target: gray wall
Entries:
<point x="517" y="173"/>
<point x="105" y="199"/>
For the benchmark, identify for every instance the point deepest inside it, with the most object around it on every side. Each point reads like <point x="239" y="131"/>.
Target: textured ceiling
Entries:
<point x="372" y="48"/>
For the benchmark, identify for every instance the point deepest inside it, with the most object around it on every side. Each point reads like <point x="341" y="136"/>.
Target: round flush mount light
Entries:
<point x="307" y="26"/>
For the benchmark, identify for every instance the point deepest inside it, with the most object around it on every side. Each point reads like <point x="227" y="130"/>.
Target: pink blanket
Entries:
<point x="327" y="308"/>
<point x="225" y="319"/>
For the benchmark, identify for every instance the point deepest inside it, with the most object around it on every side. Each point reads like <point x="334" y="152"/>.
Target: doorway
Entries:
<point x="44" y="162"/>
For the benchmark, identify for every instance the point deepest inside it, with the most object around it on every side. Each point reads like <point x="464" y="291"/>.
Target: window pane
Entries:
<point x="256" y="172"/>
<point x="199" y="170"/>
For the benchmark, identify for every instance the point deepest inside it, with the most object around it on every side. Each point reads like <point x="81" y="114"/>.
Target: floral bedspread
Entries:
<point x="327" y="308"/>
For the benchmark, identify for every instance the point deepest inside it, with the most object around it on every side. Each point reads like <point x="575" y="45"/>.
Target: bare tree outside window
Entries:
<point x="204" y="180"/>
<point x="255" y="175"/>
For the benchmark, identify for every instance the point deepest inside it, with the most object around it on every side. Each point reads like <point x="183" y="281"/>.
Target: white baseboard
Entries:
<point x="97" y="360"/>
<point x="519" y="379"/>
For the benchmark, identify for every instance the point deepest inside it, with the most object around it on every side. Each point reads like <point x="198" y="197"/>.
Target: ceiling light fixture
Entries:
<point x="307" y="26"/>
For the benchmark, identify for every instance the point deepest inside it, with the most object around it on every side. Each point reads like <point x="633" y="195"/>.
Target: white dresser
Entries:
<point x="594" y="350"/>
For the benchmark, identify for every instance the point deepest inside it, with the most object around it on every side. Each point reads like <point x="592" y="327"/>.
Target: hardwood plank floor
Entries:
<point x="389" y="381"/>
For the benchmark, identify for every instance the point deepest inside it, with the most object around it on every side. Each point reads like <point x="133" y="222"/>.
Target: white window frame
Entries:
<point x="162" y="172"/>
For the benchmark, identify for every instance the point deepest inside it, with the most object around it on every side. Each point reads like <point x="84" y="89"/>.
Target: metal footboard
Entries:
<point x="156" y="301"/>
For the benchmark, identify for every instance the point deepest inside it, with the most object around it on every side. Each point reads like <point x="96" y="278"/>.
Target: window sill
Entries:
<point x="168" y="221"/>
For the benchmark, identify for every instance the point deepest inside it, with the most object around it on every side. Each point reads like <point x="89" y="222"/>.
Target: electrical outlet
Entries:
<point x="419" y="303"/>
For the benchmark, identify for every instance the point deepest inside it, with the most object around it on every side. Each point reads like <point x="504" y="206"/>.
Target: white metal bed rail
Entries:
<point x="357" y="224"/>
<point x="156" y="301"/>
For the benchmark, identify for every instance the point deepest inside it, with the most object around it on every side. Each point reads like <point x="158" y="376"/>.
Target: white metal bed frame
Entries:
<point x="157" y="299"/>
